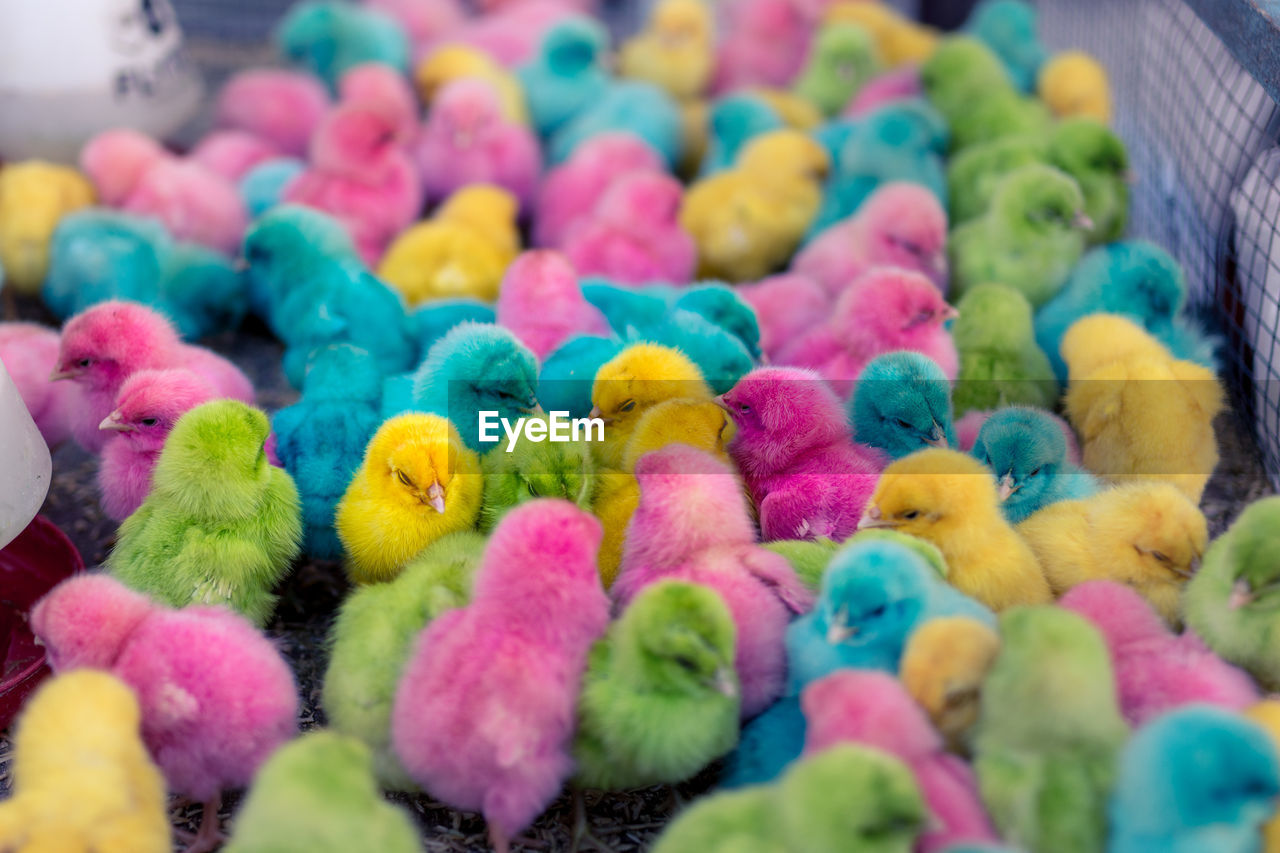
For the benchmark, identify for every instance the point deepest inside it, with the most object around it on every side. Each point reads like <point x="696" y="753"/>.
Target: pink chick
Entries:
<point x="786" y="305"/>
<point x="634" y="236"/>
<point x="30" y="354"/>
<point x="194" y="203"/>
<point x="115" y="161"/>
<point x="104" y="345"/>
<point x="970" y="424"/>
<point x="692" y="523"/>
<point x="793" y="448"/>
<point x="886" y="309"/>
<point x="1155" y="669"/>
<point x="571" y="190"/>
<point x="873" y="709"/>
<point x="765" y="44"/>
<point x="382" y="88"/>
<point x="360" y="175"/>
<point x="148" y="405"/>
<point x="484" y="713"/>
<point x="900" y="84"/>
<point x="541" y="303"/>
<point x="232" y="153"/>
<point x="281" y="107"/>
<point x="512" y="35"/>
<point x="467" y="140"/>
<point x="424" y="21"/>
<point x="216" y="696"/>
<point x="900" y="225"/>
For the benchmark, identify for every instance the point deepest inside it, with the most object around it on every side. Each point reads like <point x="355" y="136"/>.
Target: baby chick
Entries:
<point x="220" y="525"/>
<point x="547" y="469"/>
<point x="660" y="697"/>
<point x="81" y="777"/>
<point x="497" y="740"/>
<point x="943" y="667"/>
<point x="950" y="499"/>
<point x="1073" y="83"/>
<point x="451" y="60"/>
<point x="1230" y="601"/>
<point x="636" y="379"/>
<point x="29" y="352"/>
<point x="1148" y="536"/>
<point x="1140" y="418"/>
<point x="34" y="196"/>
<point x="372" y="638"/>
<point x="541" y="303"/>
<point x="318" y="793"/>
<point x="1267" y="715"/>
<point x="567" y="75"/>
<point x="842" y="58"/>
<point x="676" y="50"/>
<point x="417" y="483"/>
<point x="1000" y="363"/>
<point x="902" y="404"/>
<point x="329" y="38"/>
<point x="1030" y="238"/>
<point x="961" y="70"/>
<point x="1049" y="732"/>
<point x="1026" y="450"/>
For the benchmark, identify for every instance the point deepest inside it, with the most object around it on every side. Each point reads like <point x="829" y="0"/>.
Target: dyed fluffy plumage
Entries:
<point x="902" y="404"/>
<point x="30" y="356"/>
<point x="34" y="197"/>
<point x="943" y="667"/>
<point x="1000" y="364"/>
<point x="541" y="303"/>
<point x="546" y="469"/>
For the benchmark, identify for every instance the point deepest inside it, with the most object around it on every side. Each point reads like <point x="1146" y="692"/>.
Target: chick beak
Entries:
<point x="725" y="684"/>
<point x="872" y="519"/>
<point x="1083" y="222"/>
<point x="534" y="408"/>
<point x="938" y="263"/>
<point x="115" y="422"/>
<point x="1193" y="566"/>
<point x="937" y="437"/>
<point x="435" y="497"/>
<point x="838" y="633"/>
<point x="1241" y="594"/>
<point x="950" y="313"/>
<point x="596" y="414"/>
<point x="66" y="373"/>
<point x="1005" y="488"/>
<point x="240" y="265"/>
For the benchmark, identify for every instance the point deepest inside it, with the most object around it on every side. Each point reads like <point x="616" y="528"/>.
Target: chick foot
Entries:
<point x="209" y="836"/>
<point x="582" y="828"/>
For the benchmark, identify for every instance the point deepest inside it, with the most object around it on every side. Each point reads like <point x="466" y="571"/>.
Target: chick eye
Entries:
<point x="627" y="406"/>
<point x="404" y="478"/>
<point x="85" y="362"/>
<point x="903" y="424"/>
<point x="1160" y="557"/>
<point x="686" y="664"/>
<point x="1035" y="471"/>
<point x="532" y="489"/>
<point x="150" y="421"/>
<point x="877" y="613"/>
<point x="911" y="514"/>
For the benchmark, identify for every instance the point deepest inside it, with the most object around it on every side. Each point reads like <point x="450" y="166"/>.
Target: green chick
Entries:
<point x="1000" y="362"/>
<point x="974" y="173"/>
<point x="1030" y="238"/>
<point x="533" y="469"/>
<point x="961" y="70"/>
<point x="220" y="525"/>
<point x="660" y="698"/>
<point x="317" y="794"/>
<point x="373" y="635"/>
<point x="1049" y="732"/>
<point x="808" y="557"/>
<point x="1233" y="602"/>
<point x="842" y="59"/>
<point x="996" y="115"/>
<point x="842" y="799"/>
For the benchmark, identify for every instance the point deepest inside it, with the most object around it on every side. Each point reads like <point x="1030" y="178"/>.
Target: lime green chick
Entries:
<point x="536" y="469"/>
<point x="221" y="525"/>
<point x="373" y="635"/>
<point x="1000" y="362"/>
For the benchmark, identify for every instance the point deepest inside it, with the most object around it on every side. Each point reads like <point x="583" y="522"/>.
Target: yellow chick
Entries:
<point x="748" y="220"/>
<point x="449" y="62"/>
<point x="1148" y="536"/>
<point x="695" y="136"/>
<point x="633" y="381"/>
<point x="417" y="482"/>
<point x="1267" y="714"/>
<point x="1096" y="340"/>
<point x="898" y="40"/>
<point x="463" y="251"/>
<point x="1140" y="415"/>
<point x="699" y="423"/>
<point x="796" y="111"/>
<point x="82" y="779"/>
<point x="1073" y="83"/>
<point x="34" y="196"/>
<point x="943" y="667"/>
<point x="950" y="499"/>
<point x="676" y="50"/>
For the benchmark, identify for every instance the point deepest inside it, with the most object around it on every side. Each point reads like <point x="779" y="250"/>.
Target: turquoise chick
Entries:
<point x="567" y="76"/>
<point x="433" y="320"/>
<point x="1008" y="27"/>
<point x="1026" y="450"/>
<point x="474" y="368"/>
<point x="631" y="106"/>
<point x="329" y="38"/>
<point x="719" y="304"/>
<point x="722" y="358"/>
<point x="735" y="120"/>
<point x="201" y="291"/>
<point x="627" y="307"/>
<point x="841" y="60"/>
<point x="902" y="403"/>
<point x="1198" y="778"/>
<point x="321" y="438"/>
<point x="1137" y="279"/>
<point x="287" y="246"/>
<point x="567" y="375"/>
<point x="263" y="186"/>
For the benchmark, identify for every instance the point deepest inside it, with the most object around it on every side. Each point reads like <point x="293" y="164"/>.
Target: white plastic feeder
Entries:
<point x="25" y="466"/>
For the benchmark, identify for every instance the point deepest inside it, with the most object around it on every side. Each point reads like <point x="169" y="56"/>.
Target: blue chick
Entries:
<point x="566" y="76"/>
<point x="564" y="383"/>
<point x="719" y="304"/>
<point x="721" y="357"/>
<point x="432" y="321"/>
<point x="322" y="438"/>
<point x="287" y="246"/>
<point x="641" y="109"/>
<point x="202" y="291"/>
<point x="735" y="120"/>
<point x="1008" y="27"/>
<point x="624" y="308"/>
<point x="98" y="254"/>
<point x="329" y="37"/>
<point x="474" y="368"/>
<point x="1134" y="278"/>
<point x="902" y="403"/>
<point x="1196" y="779"/>
<point x="262" y="186"/>
<point x="1026" y="450"/>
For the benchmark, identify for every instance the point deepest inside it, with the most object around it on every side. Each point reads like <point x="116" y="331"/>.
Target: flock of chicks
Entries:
<point x="825" y="529"/>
